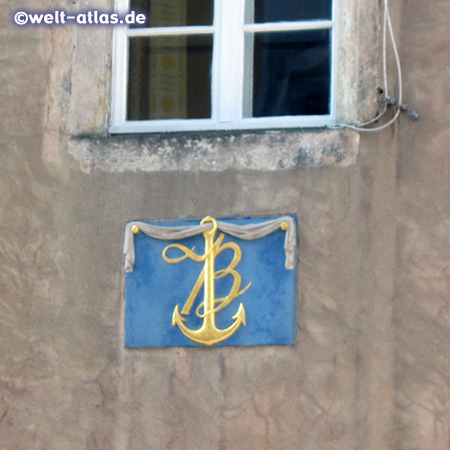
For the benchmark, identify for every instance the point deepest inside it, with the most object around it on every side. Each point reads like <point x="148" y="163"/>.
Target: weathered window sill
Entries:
<point x="216" y="151"/>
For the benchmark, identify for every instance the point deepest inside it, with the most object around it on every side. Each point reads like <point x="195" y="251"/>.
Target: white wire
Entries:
<point x="387" y="24"/>
<point x="370" y="130"/>
<point x="397" y="58"/>
<point x="377" y="117"/>
<point x="386" y="87"/>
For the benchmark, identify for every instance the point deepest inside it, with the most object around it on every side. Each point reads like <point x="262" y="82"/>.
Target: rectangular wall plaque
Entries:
<point x="210" y="283"/>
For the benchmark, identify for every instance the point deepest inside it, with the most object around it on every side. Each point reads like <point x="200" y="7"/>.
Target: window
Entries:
<point x="225" y="64"/>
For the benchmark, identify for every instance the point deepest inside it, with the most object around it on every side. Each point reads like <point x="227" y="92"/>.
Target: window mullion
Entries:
<point x="170" y="31"/>
<point x="247" y="78"/>
<point x="230" y="49"/>
<point x="238" y="55"/>
<point x="334" y="60"/>
<point x="120" y="78"/>
<point x="215" y="69"/>
<point x="289" y="26"/>
<point x="120" y="70"/>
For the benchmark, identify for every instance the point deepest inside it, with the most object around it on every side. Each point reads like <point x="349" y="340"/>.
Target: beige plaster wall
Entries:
<point x="370" y="369"/>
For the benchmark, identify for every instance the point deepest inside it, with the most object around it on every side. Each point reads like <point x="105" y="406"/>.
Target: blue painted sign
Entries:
<point x="212" y="288"/>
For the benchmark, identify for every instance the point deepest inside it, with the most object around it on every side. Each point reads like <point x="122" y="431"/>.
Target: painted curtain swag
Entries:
<point x="246" y="232"/>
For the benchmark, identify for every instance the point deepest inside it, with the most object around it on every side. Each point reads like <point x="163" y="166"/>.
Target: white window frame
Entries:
<point x="228" y="31"/>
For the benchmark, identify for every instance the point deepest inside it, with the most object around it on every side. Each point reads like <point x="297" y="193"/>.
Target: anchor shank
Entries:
<point x="208" y="305"/>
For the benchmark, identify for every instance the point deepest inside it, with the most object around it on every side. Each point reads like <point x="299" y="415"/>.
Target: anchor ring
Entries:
<point x="209" y="219"/>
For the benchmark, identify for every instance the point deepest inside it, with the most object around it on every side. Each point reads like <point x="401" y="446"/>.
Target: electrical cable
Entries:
<point x="387" y="25"/>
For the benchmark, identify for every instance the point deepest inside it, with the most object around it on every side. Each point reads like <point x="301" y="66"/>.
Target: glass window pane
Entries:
<point x="290" y="10"/>
<point x="174" y="13"/>
<point x="169" y="77"/>
<point x="291" y="73"/>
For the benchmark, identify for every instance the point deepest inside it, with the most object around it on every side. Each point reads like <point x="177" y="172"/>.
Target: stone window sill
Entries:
<point x="216" y="151"/>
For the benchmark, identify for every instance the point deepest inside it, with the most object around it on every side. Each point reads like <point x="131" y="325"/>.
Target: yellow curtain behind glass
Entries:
<point x="168" y="63"/>
<point x="158" y="66"/>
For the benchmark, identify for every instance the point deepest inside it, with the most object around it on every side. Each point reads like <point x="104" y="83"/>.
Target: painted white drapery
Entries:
<point x="246" y="232"/>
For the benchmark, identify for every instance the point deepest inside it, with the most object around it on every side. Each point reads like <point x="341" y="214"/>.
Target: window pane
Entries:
<point x="169" y="77"/>
<point x="290" y="10"/>
<point x="291" y="73"/>
<point x="174" y="13"/>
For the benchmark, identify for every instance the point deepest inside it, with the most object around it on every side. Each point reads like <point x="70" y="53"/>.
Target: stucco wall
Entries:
<point x="371" y="366"/>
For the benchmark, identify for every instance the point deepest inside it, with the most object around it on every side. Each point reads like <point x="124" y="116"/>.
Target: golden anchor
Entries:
<point x="208" y="333"/>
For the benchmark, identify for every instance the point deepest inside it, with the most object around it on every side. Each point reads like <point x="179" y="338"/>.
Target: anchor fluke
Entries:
<point x="177" y="317"/>
<point x="240" y="315"/>
<point x="209" y="334"/>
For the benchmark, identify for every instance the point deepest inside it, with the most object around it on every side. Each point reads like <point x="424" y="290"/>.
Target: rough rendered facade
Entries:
<point x="371" y="366"/>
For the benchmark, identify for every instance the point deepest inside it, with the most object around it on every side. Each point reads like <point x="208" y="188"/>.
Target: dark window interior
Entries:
<point x="291" y="10"/>
<point x="291" y="73"/>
